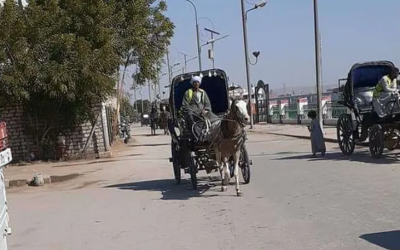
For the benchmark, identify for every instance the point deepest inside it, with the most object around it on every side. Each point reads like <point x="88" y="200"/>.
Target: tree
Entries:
<point x="144" y="34"/>
<point x="68" y="60"/>
<point x="127" y="109"/>
<point x="145" y="108"/>
<point x="13" y="53"/>
<point x="60" y="56"/>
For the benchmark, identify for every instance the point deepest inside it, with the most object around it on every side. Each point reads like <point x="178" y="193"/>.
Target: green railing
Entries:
<point x="275" y="113"/>
<point x="291" y="111"/>
<point x="334" y="110"/>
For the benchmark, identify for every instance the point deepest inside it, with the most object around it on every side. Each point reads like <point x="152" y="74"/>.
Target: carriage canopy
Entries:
<point x="214" y="82"/>
<point x="365" y="75"/>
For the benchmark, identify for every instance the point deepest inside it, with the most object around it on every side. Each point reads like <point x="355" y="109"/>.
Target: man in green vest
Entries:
<point x="195" y="103"/>
<point x="384" y="92"/>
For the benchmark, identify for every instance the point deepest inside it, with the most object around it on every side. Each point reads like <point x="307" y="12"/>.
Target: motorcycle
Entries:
<point x="125" y="131"/>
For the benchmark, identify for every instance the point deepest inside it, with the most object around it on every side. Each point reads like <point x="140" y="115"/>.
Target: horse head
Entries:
<point x="238" y="109"/>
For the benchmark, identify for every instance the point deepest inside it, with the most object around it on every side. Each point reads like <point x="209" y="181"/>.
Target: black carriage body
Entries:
<point x="145" y="119"/>
<point x="357" y="96"/>
<point x="215" y="84"/>
<point x="363" y="77"/>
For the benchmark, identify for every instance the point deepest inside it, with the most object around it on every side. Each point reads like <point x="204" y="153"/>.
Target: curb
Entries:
<point x="47" y="180"/>
<point x="303" y="137"/>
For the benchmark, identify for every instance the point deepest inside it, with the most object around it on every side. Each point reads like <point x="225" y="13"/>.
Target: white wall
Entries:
<point x="24" y="2"/>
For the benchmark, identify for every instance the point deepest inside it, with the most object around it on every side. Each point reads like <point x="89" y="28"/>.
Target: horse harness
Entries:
<point x="238" y="139"/>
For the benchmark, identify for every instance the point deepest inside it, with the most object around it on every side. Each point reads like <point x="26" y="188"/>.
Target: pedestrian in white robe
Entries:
<point x="317" y="136"/>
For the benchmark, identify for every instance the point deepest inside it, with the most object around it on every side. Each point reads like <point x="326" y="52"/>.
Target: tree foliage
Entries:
<point x="145" y="108"/>
<point x="59" y="58"/>
<point x="127" y="109"/>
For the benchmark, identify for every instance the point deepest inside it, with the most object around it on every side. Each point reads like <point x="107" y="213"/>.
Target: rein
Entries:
<point x="235" y="136"/>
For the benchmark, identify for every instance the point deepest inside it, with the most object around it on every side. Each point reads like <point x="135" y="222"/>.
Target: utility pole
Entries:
<point x="158" y="80"/>
<point x="169" y="69"/>
<point x="211" y="53"/>
<point x="246" y="51"/>
<point x="197" y="33"/>
<point x="134" y="84"/>
<point x="318" y="62"/>
<point x="148" y="83"/>
<point x="185" y="56"/>
<point x="184" y="69"/>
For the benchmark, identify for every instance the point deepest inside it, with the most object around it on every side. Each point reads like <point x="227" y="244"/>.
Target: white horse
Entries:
<point x="230" y="141"/>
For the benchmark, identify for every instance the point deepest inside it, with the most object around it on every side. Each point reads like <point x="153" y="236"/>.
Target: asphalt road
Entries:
<point x="293" y="202"/>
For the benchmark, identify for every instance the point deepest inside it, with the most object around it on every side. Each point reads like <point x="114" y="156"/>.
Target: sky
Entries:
<point x="283" y="31"/>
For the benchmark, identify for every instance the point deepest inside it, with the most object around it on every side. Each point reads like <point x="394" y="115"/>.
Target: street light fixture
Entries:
<point x="246" y="52"/>
<point x="197" y="34"/>
<point x="214" y="40"/>
<point x="261" y="4"/>
<point x="256" y="54"/>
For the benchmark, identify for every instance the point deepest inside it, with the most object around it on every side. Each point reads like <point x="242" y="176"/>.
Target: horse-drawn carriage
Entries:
<point x="145" y="120"/>
<point x="193" y="155"/>
<point x="361" y="121"/>
<point x="159" y="116"/>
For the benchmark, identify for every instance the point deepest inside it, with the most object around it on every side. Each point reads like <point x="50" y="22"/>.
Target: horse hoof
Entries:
<point x="224" y="189"/>
<point x="239" y="193"/>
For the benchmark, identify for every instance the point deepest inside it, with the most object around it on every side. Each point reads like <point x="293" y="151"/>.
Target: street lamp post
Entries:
<point x="197" y="34"/>
<point x="168" y="67"/>
<point x="172" y="66"/>
<point x="158" y="80"/>
<point x="318" y="63"/>
<point x="184" y="69"/>
<point x="246" y="52"/>
<point x="148" y="83"/>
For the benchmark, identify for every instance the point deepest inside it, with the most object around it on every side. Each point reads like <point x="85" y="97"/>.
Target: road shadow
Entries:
<point x="170" y="190"/>
<point x="365" y="157"/>
<point x="148" y="135"/>
<point x="388" y="240"/>
<point x="150" y="145"/>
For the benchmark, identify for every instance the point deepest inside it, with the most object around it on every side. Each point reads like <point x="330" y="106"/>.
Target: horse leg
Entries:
<point x="227" y="174"/>
<point x="236" y="172"/>
<point x="220" y="166"/>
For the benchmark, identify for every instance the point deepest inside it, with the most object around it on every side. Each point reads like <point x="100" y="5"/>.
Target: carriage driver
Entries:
<point x="195" y="102"/>
<point x="383" y="91"/>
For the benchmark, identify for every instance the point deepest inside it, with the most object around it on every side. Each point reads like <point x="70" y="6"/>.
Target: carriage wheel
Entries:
<point x="244" y="164"/>
<point x="345" y="134"/>
<point x="176" y="163"/>
<point x="376" y="141"/>
<point x="190" y="164"/>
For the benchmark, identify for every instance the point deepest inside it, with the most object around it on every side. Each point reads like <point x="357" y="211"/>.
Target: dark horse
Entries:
<point x="154" y="119"/>
<point x="163" y="121"/>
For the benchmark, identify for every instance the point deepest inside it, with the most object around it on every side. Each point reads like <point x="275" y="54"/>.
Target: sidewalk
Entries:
<point x="296" y="131"/>
<point x="53" y="172"/>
